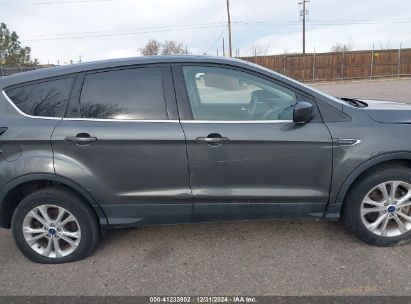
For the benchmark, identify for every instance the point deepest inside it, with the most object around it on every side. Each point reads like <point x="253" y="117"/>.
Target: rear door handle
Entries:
<point x="81" y="139"/>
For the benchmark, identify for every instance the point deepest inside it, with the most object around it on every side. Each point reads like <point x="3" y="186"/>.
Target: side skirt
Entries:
<point x="209" y="212"/>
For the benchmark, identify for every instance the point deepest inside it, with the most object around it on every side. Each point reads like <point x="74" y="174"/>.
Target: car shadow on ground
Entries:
<point x="317" y="231"/>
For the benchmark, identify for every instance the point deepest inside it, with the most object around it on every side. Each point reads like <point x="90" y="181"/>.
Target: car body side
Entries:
<point x="30" y="153"/>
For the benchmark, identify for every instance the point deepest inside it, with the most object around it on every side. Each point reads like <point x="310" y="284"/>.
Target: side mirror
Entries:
<point x="302" y="112"/>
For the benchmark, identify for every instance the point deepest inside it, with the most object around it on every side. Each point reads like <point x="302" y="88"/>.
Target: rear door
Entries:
<point x="122" y="141"/>
<point x="247" y="158"/>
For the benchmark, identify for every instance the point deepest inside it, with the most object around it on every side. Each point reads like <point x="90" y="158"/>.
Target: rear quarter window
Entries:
<point x="43" y="99"/>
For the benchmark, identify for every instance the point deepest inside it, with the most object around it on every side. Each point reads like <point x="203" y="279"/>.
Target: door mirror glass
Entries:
<point x="302" y="112"/>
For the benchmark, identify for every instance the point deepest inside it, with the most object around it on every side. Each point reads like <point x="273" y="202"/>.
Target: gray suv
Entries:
<point x="167" y="140"/>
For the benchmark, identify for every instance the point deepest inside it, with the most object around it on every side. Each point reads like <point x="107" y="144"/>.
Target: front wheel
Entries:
<point x="378" y="207"/>
<point x="54" y="226"/>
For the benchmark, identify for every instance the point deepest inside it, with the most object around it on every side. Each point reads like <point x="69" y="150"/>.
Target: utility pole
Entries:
<point x="230" y="51"/>
<point x="303" y="13"/>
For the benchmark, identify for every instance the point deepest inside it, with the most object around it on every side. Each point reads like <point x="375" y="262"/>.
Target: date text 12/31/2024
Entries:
<point x="203" y="299"/>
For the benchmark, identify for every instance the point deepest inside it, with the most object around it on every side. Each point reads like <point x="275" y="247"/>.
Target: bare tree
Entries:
<point x="168" y="47"/>
<point x="171" y="47"/>
<point x="152" y="47"/>
<point x="340" y="47"/>
<point x="258" y="49"/>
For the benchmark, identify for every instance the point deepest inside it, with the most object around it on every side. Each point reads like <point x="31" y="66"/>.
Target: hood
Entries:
<point x="388" y="111"/>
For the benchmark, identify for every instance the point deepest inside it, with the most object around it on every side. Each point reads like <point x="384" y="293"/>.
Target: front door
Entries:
<point x="123" y="143"/>
<point x="247" y="159"/>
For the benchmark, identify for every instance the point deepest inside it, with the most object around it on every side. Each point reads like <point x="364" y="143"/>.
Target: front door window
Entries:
<point x="230" y="95"/>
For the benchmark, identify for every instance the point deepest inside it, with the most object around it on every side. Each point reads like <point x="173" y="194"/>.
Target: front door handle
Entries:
<point x="213" y="139"/>
<point x="81" y="139"/>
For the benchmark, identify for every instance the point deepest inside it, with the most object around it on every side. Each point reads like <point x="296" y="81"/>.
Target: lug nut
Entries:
<point x="52" y="225"/>
<point x="48" y="235"/>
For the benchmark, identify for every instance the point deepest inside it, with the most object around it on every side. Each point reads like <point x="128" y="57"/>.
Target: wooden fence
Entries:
<point x="6" y="71"/>
<point x="337" y="66"/>
<point x="322" y="66"/>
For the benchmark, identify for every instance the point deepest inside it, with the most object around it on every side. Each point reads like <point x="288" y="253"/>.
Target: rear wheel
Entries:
<point x="378" y="207"/>
<point x="55" y="226"/>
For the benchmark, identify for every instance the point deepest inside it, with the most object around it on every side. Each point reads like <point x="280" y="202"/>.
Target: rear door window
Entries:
<point x="42" y="99"/>
<point x="129" y="94"/>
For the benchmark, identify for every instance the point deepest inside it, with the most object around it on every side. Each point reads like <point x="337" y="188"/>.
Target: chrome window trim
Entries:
<point x="119" y="120"/>
<point x="141" y="120"/>
<point x="27" y="115"/>
<point x="237" y="121"/>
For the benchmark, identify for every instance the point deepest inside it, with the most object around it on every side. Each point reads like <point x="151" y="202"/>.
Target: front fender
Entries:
<point x="364" y="167"/>
<point x="333" y="209"/>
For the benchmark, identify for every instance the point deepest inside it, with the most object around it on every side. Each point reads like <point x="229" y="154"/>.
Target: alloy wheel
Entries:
<point x="386" y="209"/>
<point x="51" y="231"/>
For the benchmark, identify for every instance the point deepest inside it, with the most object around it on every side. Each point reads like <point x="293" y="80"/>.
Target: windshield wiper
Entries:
<point x="355" y="102"/>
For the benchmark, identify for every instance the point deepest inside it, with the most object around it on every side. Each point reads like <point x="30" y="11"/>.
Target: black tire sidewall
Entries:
<point x="71" y="203"/>
<point x="352" y="210"/>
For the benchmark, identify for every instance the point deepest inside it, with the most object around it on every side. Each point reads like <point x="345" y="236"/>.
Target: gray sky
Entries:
<point x="99" y="29"/>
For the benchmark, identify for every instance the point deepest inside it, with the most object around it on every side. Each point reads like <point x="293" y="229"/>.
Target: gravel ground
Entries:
<point x="389" y="89"/>
<point x="295" y="257"/>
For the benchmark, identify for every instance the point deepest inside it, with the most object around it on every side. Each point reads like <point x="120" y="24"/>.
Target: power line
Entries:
<point x="122" y="34"/>
<point x="312" y="22"/>
<point x="53" y="2"/>
<point x="325" y="22"/>
<point x="126" y="32"/>
<point x="218" y="38"/>
<point x="360" y="20"/>
<point x="177" y="27"/>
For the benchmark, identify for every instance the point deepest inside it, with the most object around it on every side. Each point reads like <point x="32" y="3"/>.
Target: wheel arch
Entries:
<point x="17" y="189"/>
<point x="381" y="160"/>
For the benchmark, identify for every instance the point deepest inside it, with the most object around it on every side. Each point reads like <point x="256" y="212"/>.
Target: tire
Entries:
<point x="355" y="204"/>
<point x="75" y="240"/>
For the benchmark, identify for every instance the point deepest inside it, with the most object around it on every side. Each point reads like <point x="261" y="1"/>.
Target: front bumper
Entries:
<point x="3" y="222"/>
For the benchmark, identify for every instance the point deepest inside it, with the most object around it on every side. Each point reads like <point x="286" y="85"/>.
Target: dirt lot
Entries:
<point x="390" y="89"/>
<point x="250" y="258"/>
